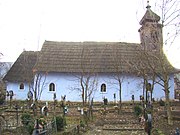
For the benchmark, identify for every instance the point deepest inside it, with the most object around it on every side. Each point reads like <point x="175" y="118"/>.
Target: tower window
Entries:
<point x="51" y="87"/>
<point x="103" y="87"/>
<point x="21" y="86"/>
<point x="154" y="36"/>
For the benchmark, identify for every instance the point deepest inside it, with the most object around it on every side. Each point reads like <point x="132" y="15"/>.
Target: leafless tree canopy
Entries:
<point x="170" y="19"/>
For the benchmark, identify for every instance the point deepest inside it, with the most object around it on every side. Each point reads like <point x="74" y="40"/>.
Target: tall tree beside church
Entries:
<point x="151" y="34"/>
<point x="170" y="22"/>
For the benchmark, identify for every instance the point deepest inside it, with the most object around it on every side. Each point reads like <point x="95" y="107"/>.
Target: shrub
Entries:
<point x="60" y="122"/>
<point x="2" y="99"/>
<point x="26" y="118"/>
<point x="42" y="121"/>
<point x="161" y="102"/>
<point x="28" y="122"/>
<point x="138" y="110"/>
<point x="157" y="132"/>
<point x="2" y="94"/>
<point x="82" y="123"/>
<point x="30" y="127"/>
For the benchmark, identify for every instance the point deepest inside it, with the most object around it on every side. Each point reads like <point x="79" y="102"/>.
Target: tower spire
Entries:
<point x="151" y="30"/>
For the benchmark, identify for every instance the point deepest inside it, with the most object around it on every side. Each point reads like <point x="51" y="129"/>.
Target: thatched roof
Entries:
<point x="22" y="69"/>
<point x="101" y="57"/>
<point x="86" y="57"/>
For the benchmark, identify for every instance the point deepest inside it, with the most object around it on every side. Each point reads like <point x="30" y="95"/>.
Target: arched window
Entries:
<point x="103" y="87"/>
<point x="155" y="36"/>
<point x="51" y="87"/>
<point x="21" y="86"/>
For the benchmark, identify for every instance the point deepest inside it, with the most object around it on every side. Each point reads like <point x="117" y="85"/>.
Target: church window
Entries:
<point x="21" y="86"/>
<point x="51" y="87"/>
<point x="103" y="87"/>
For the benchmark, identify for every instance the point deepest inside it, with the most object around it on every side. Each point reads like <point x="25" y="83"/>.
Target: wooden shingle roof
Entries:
<point x="149" y="16"/>
<point x="101" y="57"/>
<point x="22" y="69"/>
<point x="83" y="57"/>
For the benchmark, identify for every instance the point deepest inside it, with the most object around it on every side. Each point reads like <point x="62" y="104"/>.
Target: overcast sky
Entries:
<point x="26" y="24"/>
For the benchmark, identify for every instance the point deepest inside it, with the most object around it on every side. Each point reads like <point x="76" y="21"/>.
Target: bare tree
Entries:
<point x="88" y="85"/>
<point x="2" y="92"/>
<point x="36" y="80"/>
<point x="153" y="62"/>
<point x="177" y="86"/>
<point x="2" y="87"/>
<point x="1" y="65"/>
<point x="170" y="22"/>
<point x="38" y="85"/>
<point x="119" y="75"/>
<point x="87" y="78"/>
<point x="154" y="67"/>
<point x="163" y="77"/>
<point x="144" y="67"/>
<point x="4" y="66"/>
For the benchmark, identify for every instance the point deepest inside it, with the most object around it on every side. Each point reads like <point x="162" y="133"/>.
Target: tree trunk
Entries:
<point x="82" y="86"/>
<point x="167" y="102"/>
<point x="86" y="90"/>
<point x="120" y="98"/>
<point x="83" y="97"/>
<point x="35" y="108"/>
<point x="144" y="87"/>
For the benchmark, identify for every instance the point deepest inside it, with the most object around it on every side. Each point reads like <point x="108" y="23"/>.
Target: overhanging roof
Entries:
<point x="22" y="69"/>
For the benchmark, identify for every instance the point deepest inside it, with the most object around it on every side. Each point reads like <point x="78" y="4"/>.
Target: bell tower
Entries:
<point x="150" y="31"/>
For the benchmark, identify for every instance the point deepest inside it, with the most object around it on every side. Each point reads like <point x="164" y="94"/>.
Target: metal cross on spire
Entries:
<point x="148" y="6"/>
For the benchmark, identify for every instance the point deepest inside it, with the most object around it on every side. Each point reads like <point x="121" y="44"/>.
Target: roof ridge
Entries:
<point x="105" y="42"/>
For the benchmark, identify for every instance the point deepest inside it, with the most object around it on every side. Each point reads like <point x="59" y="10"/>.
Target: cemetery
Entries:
<point x="71" y="118"/>
<point x="93" y="88"/>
